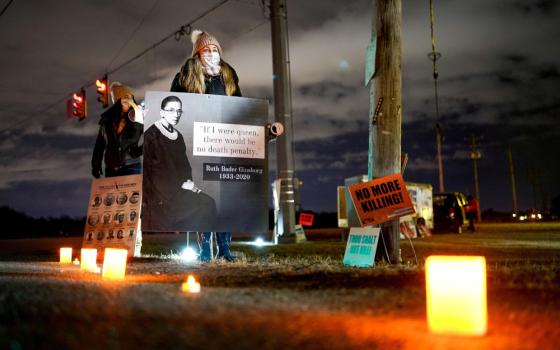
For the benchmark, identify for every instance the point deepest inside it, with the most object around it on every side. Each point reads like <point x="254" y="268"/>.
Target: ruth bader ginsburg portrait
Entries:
<point x="220" y="188"/>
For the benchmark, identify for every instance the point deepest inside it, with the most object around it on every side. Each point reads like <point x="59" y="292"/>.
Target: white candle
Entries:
<point x="89" y="260"/>
<point x="65" y="255"/>
<point x="456" y="295"/>
<point x="114" y="263"/>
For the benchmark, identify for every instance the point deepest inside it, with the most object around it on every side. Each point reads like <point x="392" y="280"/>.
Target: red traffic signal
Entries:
<point x="79" y="104"/>
<point x="103" y="91"/>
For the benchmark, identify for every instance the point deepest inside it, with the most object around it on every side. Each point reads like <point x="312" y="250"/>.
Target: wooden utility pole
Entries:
<point x="434" y="56"/>
<point x="385" y="108"/>
<point x="512" y="176"/>
<point x="475" y="156"/>
<point x="283" y="114"/>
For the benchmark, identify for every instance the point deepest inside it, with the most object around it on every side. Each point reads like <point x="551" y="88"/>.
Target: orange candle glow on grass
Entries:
<point x="191" y="286"/>
<point x="65" y="255"/>
<point x="114" y="263"/>
<point x="89" y="260"/>
<point x="456" y="295"/>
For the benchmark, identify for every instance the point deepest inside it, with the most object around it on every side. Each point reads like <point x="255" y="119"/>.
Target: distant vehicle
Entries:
<point x="449" y="212"/>
<point x="531" y="215"/>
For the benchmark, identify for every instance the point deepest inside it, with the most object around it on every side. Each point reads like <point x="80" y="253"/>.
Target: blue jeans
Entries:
<point x="223" y="241"/>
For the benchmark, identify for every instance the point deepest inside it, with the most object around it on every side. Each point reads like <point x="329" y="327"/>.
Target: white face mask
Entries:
<point x="211" y="58"/>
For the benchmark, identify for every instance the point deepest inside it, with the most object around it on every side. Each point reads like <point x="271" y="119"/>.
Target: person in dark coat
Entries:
<point x="118" y="140"/>
<point x="205" y="72"/>
<point x="171" y="198"/>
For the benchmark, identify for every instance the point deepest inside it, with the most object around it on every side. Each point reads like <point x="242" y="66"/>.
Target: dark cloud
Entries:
<point x="542" y="7"/>
<point x="548" y="73"/>
<point x="327" y="89"/>
<point x="516" y="58"/>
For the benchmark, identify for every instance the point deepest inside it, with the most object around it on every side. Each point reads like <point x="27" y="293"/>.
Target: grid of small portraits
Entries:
<point x="112" y="217"/>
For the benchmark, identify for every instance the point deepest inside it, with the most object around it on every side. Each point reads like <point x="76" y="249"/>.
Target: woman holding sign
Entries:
<point x="205" y="72"/>
<point x="118" y="141"/>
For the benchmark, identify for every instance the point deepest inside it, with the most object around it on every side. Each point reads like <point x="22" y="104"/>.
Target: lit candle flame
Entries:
<point x="191" y="286"/>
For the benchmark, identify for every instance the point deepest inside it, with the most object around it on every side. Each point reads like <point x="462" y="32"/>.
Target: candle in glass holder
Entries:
<point x="114" y="263"/>
<point x="456" y="294"/>
<point x="65" y="255"/>
<point x="89" y="260"/>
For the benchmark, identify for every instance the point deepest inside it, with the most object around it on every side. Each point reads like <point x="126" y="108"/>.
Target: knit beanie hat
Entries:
<point x="202" y="39"/>
<point x="120" y="91"/>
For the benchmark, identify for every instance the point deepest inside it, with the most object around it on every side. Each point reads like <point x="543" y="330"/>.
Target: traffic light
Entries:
<point x="79" y="104"/>
<point x="103" y="91"/>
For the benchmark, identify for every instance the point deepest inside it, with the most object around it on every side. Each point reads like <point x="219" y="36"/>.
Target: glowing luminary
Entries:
<point x="114" y="263"/>
<point x="65" y="255"/>
<point x="89" y="260"/>
<point x="191" y="286"/>
<point x="456" y="295"/>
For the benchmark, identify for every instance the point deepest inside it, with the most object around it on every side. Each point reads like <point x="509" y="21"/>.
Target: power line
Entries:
<point x="257" y="26"/>
<point x="6" y="7"/>
<point x="184" y="30"/>
<point x="133" y="33"/>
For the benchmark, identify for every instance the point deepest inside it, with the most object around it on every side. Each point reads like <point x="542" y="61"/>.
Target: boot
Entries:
<point x="204" y="240"/>
<point x="223" y="240"/>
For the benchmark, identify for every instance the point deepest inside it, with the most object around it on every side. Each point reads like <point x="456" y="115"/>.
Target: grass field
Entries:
<point x="295" y="296"/>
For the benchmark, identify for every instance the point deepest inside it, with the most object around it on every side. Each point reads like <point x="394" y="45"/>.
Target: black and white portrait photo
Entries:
<point x="205" y="164"/>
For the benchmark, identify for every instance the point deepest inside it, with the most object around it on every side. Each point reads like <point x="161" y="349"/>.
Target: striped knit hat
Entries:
<point x="202" y="39"/>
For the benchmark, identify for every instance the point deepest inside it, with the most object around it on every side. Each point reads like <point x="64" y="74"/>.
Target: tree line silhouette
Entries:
<point x="19" y="225"/>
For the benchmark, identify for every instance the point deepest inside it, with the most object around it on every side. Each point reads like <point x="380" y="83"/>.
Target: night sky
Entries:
<point x="499" y="80"/>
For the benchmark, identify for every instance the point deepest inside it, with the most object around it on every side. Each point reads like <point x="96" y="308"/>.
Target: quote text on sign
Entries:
<point x="228" y="140"/>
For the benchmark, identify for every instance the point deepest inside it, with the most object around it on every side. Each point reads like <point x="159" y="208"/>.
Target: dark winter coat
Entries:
<point x="117" y="150"/>
<point x="214" y="84"/>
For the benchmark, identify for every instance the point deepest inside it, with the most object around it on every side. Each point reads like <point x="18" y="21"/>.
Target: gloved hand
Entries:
<point x="96" y="172"/>
<point x="137" y="113"/>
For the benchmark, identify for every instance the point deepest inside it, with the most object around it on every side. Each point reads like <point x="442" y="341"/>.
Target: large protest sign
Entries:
<point x="205" y="163"/>
<point x="113" y="214"/>
<point x="381" y="199"/>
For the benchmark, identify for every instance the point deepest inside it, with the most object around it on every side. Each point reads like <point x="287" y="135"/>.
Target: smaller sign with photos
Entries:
<point x="114" y="214"/>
